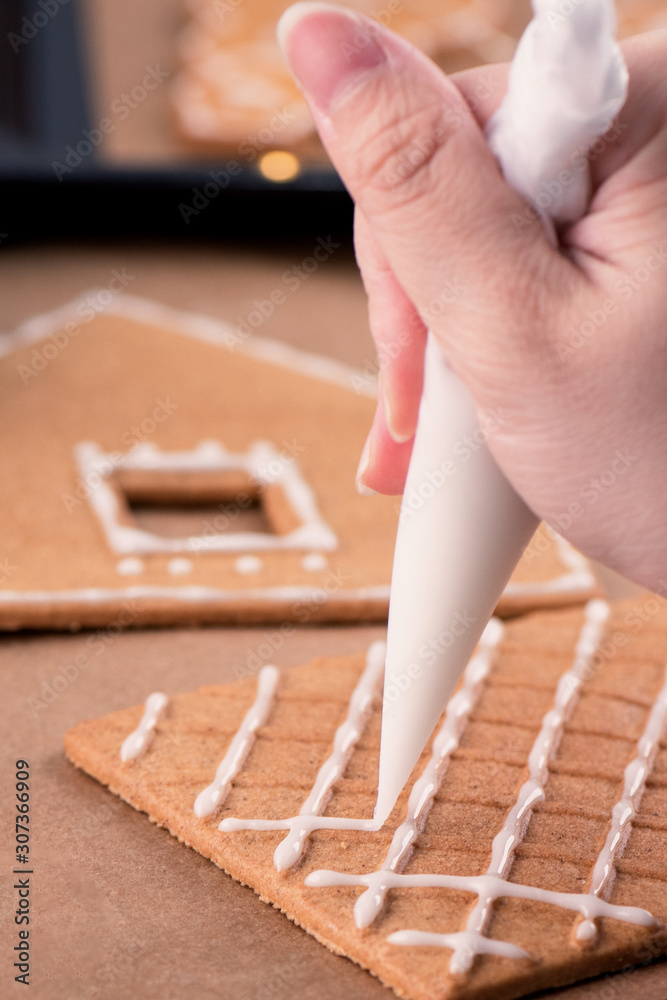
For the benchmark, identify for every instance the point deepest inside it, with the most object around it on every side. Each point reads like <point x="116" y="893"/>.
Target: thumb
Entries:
<point x="416" y="162"/>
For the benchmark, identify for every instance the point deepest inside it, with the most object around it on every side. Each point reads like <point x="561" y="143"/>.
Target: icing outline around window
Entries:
<point x="261" y="462"/>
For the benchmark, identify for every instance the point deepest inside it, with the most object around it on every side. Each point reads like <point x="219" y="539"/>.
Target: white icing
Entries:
<point x="248" y="564"/>
<point x="306" y="824"/>
<point x="129" y="566"/>
<point x="138" y="741"/>
<point x="179" y="567"/>
<point x="532" y="791"/>
<point x="577" y="563"/>
<point x="261" y="462"/>
<point x="203" y="328"/>
<point x="310" y="817"/>
<point x="313" y="562"/>
<point x="570" y="583"/>
<point x="625" y="810"/>
<point x="369" y="905"/>
<point x="579" y="578"/>
<point x="212" y="797"/>
<point x="462" y="941"/>
<point x="488" y="886"/>
<point x="189" y="594"/>
<point x="472" y="940"/>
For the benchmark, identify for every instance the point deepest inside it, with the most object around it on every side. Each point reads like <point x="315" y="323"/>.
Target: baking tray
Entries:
<point x="55" y="185"/>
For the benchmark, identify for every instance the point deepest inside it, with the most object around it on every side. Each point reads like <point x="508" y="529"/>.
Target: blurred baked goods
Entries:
<point x="233" y="89"/>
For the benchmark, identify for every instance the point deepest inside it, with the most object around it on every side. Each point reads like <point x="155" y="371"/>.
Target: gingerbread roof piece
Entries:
<point x="166" y="468"/>
<point x="527" y="850"/>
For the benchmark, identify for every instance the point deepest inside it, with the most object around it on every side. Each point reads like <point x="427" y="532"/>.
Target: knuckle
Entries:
<point x="398" y="158"/>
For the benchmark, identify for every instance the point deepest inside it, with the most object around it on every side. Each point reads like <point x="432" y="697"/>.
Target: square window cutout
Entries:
<point x="207" y="499"/>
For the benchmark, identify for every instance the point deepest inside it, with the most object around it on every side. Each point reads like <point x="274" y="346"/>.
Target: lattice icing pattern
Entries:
<point x="572" y="701"/>
<point x="472" y="940"/>
<point x="309" y="817"/>
<point x="369" y="905"/>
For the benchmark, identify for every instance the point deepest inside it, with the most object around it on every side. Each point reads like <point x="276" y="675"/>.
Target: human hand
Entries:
<point x="567" y="346"/>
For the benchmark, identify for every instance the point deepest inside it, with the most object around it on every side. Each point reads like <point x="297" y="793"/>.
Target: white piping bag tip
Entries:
<point x="380" y="816"/>
<point x="462" y="527"/>
<point x="388" y="797"/>
<point x="441" y="596"/>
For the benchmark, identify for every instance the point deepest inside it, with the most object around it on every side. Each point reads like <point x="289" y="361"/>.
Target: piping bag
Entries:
<point x="462" y="526"/>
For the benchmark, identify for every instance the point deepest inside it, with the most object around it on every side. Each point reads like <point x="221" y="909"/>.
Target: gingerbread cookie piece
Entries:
<point x="234" y="90"/>
<point x="527" y="850"/>
<point x="170" y="469"/>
